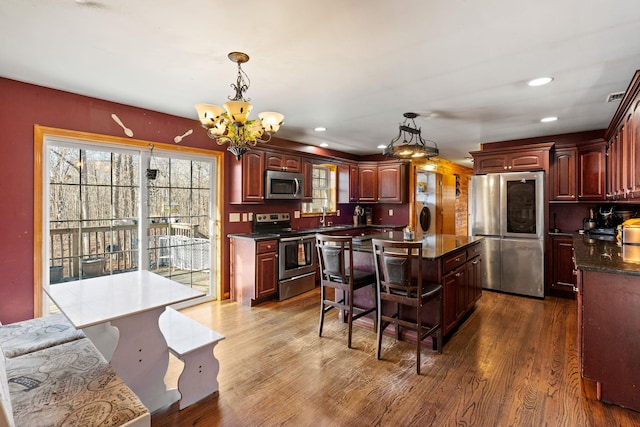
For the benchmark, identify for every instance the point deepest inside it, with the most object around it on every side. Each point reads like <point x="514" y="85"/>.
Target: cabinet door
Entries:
<point x="562" y="268"/>
<point x="635" y="136"/>
<point x="449" y="302"/>
<point x="592" y="171"/>
<point x="247" y="181"/>
<point x="564" y="175"/>
<point x="307" y="172"/>
<point x="526" y="161"/>
<point x="347" y="183"/>
<point x="391" y="183"/>
<point x="266" y="274"/>
<point x="488" y="163"/>
<point x="282" y="162"/>
<point x="354" y="183"/>
<point x="368" y="183"/>
<point x="460" y="276"/>
<point x="474" y="281"/>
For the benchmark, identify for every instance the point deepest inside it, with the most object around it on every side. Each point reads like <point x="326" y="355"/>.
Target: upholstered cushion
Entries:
<point x="6" y="412"/>
<point x="70" y="385"/>
<point x="31" y="335"/>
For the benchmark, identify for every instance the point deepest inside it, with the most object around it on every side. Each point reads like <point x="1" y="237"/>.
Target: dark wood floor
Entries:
<point x="512" y="363"/>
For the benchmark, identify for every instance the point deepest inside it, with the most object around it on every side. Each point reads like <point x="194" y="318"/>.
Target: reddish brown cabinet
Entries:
<point x="348" y="183"/>
<point x="592" y="163"/>
<point x="623" y="136"/>
<point x="254" y="270"/>
<point x="368" y="183"/>
<point x="392" y="183"/>
<point x="247" y="179"/>
<point x="282" y="162"/>
<point x="562" y="272"/>
<point x="512" y="159"/>
<point x="307" y="172"/>
<point x="564" y="175"/>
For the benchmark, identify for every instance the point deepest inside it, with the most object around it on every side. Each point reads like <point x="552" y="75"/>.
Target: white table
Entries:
<point x="120" y="313"/>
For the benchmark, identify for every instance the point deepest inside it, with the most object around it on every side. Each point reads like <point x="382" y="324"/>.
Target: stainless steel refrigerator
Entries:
<point x="507" y="209"/>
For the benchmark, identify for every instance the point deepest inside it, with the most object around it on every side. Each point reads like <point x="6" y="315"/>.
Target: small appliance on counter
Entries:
<point x="368" y="213"/>
<point x="629" y="235"/>
<point x="358" y="216"/>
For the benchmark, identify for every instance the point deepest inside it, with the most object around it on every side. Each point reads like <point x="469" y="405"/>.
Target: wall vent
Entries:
<point x="615" y="96"/>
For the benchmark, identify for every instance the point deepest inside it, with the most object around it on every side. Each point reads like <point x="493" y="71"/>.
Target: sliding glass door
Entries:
<point x="113" y="209"/>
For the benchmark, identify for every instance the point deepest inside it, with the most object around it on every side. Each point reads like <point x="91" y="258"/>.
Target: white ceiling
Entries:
<point x="352" y="66"/>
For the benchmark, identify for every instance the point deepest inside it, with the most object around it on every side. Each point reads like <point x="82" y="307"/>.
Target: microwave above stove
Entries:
<point x="280" y="185"/>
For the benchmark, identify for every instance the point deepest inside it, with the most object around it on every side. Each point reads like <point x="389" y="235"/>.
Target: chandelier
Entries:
<point x="230" y="124"/>
<point x="412" y="145"/>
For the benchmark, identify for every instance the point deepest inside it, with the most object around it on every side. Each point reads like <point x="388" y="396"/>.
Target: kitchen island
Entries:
<point x="608" y="286"/>
<point x="453" y="261"/>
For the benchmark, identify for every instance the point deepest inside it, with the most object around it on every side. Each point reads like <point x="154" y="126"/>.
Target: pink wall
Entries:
<point x="23" y="105"/>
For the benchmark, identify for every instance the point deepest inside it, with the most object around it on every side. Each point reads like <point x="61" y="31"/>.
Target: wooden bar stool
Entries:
<point x="399" y="281"/>
<point x="335" y="257"/>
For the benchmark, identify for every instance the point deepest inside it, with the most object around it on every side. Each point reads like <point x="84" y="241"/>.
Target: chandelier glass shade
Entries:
<point x="230" y="124"/>
<point x="409" y="143"/>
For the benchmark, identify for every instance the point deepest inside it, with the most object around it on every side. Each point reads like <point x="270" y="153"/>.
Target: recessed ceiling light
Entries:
<point x="381" y="146"/>
<point x="324" y="144"/>
<point x="540" y="81"/>
<point x="320" y="129"/>
<point x="549" y="119"/>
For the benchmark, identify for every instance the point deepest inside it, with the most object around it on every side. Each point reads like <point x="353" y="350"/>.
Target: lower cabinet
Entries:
<point x="562" y="273"/>
<point x="462" y="285"/>
<point x="254" y="270"/>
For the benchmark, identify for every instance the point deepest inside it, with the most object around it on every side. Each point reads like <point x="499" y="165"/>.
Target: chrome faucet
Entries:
<point x="324" y="216"/>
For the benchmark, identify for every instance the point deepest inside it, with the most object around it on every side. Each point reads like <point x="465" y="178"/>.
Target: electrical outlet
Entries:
<point x="296" y="214"/>
<point x="250" y="216"/>
<point x="390" y="212"/>
<point x="244" y="217"/>
<point x="234" y="217"/>
<point x="338" y="212"/>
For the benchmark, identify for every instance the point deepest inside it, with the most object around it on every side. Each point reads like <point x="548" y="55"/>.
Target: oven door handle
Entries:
<point x="293" y="239"/>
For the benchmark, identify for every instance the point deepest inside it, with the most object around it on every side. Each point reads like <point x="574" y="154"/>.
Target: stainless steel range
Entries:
<point x="296" y="253"/>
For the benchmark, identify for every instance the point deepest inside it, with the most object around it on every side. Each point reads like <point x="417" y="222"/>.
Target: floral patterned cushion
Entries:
<point x="31" y="335"/>
<point x="6" y="413"/>
<point x="71" y="384"/>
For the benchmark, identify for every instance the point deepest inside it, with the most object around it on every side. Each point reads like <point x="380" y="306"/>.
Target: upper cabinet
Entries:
<point x="368" y="183"/>
<point x="623" y="136"/>
<point x="382" y="182"/>
<point x="392" y="182"/>
<point x="282" y="162"/>
<point x="592" y="172"/>
<point x="564" y="175"/>
<point x="247" y="178"/>
<point x="307" y="172"/>
<point x="348" y="183"/>
<point x="578" y="172"/>
<point x="512" y="159"/>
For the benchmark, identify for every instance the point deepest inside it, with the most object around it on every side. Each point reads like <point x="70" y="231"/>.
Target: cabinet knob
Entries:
<point x="505" y="168"/>
<point x="573" y="196"/>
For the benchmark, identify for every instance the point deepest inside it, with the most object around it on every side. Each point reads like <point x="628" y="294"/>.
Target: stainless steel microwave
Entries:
<point x="283" y="185"/>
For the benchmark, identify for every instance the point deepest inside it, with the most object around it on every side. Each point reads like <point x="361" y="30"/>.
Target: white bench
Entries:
<point x="193" y="343"/>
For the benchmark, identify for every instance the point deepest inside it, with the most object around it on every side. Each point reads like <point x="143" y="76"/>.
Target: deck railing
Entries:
<point x="91" y="251"/>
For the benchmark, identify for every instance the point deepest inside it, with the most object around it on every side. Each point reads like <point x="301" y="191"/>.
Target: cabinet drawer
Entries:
<point x="266" y="246"/>
<point x="453" y="261"/>
<point x="474" y="250"/>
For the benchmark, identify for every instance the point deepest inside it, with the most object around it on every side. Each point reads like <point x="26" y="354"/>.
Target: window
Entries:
<point x="324" y="190"/>
<point x="104" y="214"/>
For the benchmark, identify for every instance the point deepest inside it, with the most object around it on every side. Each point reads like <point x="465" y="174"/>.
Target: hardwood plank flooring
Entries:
<point x="512" y="363"/>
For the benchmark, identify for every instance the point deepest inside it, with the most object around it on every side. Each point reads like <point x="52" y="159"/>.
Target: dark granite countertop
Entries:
<point x="327" y="229"/>
<point x="433" y="246"/>
<point x="605" y="256"/>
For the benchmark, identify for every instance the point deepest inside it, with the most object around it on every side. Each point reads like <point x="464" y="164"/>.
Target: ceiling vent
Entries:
<point x="615" y="96"/>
